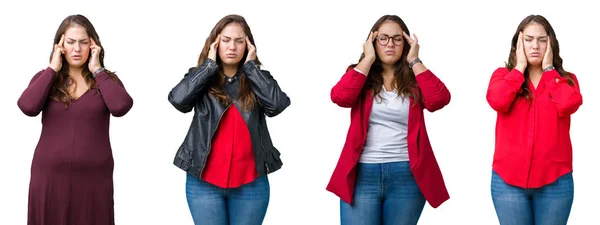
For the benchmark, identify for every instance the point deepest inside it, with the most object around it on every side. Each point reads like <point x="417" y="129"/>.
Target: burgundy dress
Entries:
<point x="72" y="168"/>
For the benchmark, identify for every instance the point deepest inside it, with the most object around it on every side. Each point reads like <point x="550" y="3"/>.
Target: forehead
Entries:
<point x="390" y="27"/>
<point x="534" y="29"/>
<point x="233" y="30"/>
<point x="76" y="32"/>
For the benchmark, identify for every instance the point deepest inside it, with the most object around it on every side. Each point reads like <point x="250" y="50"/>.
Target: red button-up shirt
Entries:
<point x="230" y="162"/>
<point x="533" y="145"/>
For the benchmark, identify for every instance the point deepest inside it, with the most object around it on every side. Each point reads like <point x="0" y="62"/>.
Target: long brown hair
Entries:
<point x="61" y="83"/>
<point x="246" y="95"/>
<point x="404" y="78"/>
<point x="556" y="59"/>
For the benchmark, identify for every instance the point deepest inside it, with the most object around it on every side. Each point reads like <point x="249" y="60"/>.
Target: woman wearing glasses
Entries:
<point x="387" y="169"/>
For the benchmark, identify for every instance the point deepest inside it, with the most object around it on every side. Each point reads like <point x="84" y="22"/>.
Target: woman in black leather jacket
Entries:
<point x="228" y="152"/>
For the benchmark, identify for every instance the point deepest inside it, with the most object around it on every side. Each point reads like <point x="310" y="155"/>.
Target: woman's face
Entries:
<point x="535" y="43"/>
<point x="77" y="46"/>
<point x="232" y="45"/>
<point x="389" y="42"/>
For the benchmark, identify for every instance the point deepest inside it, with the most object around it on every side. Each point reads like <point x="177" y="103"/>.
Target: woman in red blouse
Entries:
<point x="228" y="152"/>
<point x="534" y="98"/>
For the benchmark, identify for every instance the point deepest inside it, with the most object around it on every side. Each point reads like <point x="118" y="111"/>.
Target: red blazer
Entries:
<point x="423" y="164"/>
<point x="533" y="146"/>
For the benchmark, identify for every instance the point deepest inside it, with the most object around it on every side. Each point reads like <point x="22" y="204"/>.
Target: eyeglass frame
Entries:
<point x="388" y="40"/>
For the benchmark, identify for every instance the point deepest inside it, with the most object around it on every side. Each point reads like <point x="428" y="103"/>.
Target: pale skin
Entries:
<point x="391" y="52"/>
<point x="76" y="45"/>
<point x="231" y="44"/>
<point x="534" y="52"/>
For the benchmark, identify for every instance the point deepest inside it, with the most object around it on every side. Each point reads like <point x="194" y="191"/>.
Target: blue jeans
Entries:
<point x="384" y="193"/>
<point x="550" y="204"/>
<point x="212" y="205"/>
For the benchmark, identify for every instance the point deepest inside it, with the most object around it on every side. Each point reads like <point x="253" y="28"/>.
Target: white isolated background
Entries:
<point x="307" y="46"/>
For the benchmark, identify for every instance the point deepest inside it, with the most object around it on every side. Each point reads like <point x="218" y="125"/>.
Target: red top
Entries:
<point x="533" y="146"/>
<point x="423" y="164"/>
<point x="230" y="162"/>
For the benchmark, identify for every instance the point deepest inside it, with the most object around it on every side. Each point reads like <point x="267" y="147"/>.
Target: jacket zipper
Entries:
<point x="259" y="131"/>
<point x="263" y="148"/>
<point x="210" y="140"/>
<point x="205" y="68"/>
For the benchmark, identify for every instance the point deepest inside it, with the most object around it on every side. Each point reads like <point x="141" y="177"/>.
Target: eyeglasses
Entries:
<point x="384" y="39"/>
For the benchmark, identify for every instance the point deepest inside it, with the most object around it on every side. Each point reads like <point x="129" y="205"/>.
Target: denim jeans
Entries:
<point x="384" y="193"/>
<point x="547" y="205"/>
<point x="212" y="205"/>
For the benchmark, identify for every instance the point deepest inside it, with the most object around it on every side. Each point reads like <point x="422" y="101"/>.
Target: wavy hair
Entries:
<point x="556" y="59"/>
<point x="246" y="96"/>
<point x="61" y="83"/>
<point x="404" y="78"/>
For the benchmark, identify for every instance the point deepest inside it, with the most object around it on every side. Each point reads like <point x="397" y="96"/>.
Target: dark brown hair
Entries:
<point x="404" y="78"/>
<point x="246" y="95"/>
<point x="61" y="83"/>
<point x="556" y="59"/>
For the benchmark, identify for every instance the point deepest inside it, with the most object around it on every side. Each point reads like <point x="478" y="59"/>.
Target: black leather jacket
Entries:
<point x="192" y="93"/>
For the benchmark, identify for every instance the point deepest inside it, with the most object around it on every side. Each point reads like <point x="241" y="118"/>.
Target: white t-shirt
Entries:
<point x="388" y="130"/>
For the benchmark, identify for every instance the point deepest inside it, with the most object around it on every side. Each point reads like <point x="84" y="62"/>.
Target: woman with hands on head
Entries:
<point x="534" y="98"/>
<point x="72" y="168"/>
<point x="227" y="152"/>
<point x="387" y="170"/>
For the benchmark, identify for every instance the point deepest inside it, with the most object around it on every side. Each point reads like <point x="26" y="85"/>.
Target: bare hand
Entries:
<point x="548" y="57"/>
<point x="56" y="61"/>
<point x="251" y="50"/>
<point x="368" y="48"/>
<point x="520" y="54"/>
<point x="413" y="53"/>
<point x="212" y="52"/>
<point x="94" y="62"/>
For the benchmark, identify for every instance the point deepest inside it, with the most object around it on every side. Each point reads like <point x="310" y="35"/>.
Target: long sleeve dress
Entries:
<point x="72" y="167"/>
